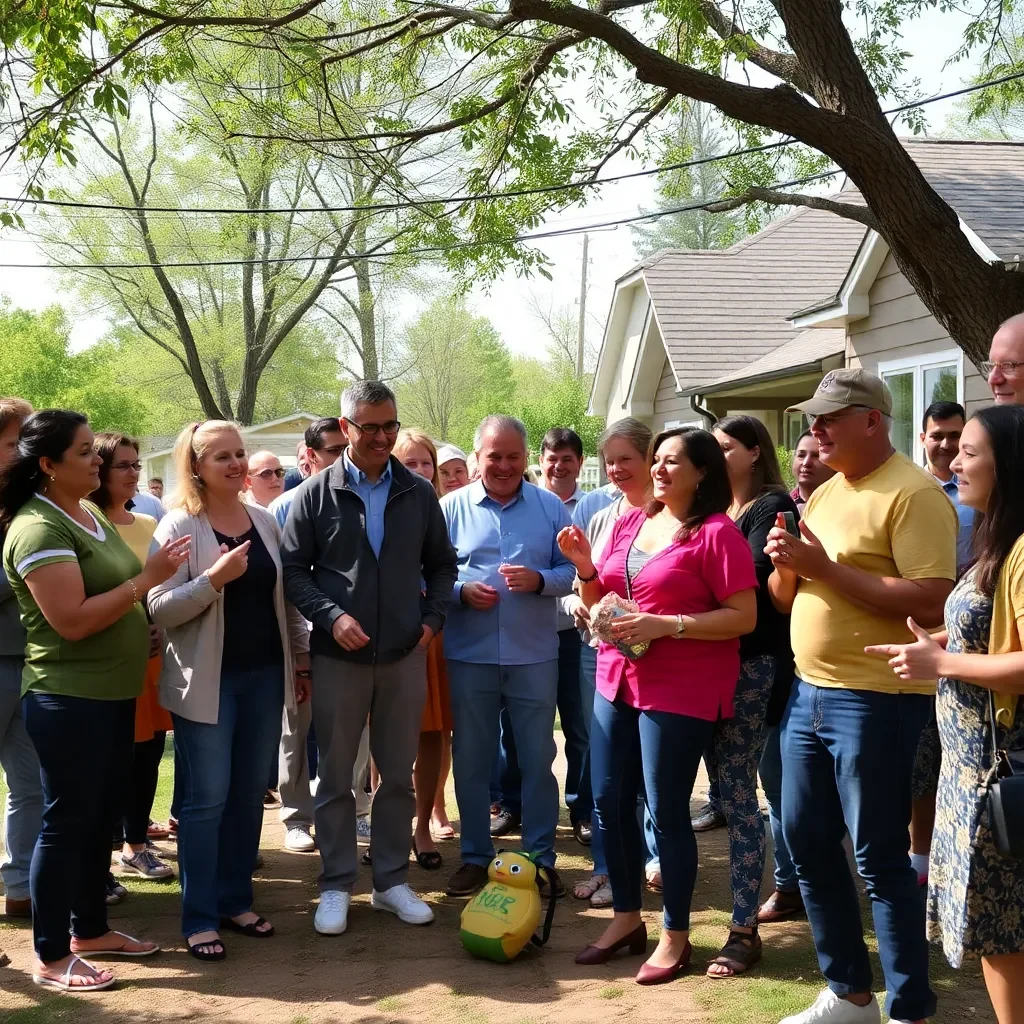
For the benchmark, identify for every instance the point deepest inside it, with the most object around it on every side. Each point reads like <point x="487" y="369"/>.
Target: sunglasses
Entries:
<point x="266" y="474"/>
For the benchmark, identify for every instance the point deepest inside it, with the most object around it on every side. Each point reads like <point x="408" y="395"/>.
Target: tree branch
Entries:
<point x="849" y="211"/>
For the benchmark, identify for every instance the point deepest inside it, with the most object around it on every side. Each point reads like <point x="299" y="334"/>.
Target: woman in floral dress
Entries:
<point x="976" y="895"/>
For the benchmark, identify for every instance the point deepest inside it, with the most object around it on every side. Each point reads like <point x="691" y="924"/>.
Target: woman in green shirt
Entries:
<point x="78" y="587"/>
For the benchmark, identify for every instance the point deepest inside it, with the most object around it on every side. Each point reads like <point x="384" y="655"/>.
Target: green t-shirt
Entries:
<point x="109" y="665"/>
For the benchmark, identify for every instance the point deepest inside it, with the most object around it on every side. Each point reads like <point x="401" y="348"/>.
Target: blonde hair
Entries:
<point x="192" y="444"/>
<point x="13" y="409"/>
<point x="410" y="436"/>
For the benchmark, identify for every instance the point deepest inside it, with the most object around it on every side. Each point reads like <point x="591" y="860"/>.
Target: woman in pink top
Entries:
<point x="690" y="571"/>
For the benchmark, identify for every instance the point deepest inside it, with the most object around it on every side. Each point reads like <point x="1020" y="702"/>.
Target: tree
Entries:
<point x="695" y="137"/>
<point x="551" y="395"/>
<point x="38" y="365"/>
<point x="561" y="325"/>
<point x="510" y="95"/>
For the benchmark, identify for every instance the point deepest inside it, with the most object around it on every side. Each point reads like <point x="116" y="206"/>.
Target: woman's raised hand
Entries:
<point x="573" y="543"/>
<point x="163" y="563"/>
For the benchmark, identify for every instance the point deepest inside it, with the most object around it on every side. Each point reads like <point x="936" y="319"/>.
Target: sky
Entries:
<point x="508" y="301"/>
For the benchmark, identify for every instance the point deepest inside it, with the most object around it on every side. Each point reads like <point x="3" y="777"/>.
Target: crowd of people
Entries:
<point x="350" y="631"/>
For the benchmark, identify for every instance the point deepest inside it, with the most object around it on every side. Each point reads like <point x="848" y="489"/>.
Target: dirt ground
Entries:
<point x="385" y="972"/>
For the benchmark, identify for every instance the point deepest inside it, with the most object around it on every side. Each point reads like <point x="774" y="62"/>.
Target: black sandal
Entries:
<point x="366" y="859"/>
<point x="429" y="860"/>
<point x="252" y="929"/>
<point x="207" y="951"/>
<point x="741" y="951"/>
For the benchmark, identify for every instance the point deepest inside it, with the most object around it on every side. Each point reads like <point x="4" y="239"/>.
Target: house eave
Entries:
<point x="717" y="387"/>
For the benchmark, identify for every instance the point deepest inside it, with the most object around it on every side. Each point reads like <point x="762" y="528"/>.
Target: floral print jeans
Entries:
<point x="732" y="758"/>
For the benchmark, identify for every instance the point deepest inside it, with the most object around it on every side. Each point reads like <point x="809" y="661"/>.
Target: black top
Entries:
<point x="252" y="638"/>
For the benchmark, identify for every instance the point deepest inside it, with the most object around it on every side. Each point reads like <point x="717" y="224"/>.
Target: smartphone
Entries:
<point x="791" y="524"/>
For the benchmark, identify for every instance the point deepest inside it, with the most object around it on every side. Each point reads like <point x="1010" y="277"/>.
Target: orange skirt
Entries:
<point x="437" y="710"/>
<point x="150" y="718"/>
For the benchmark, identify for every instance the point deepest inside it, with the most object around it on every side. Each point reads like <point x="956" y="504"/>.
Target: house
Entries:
<point x="279" y="436"/>
<point x="695" y="335"/>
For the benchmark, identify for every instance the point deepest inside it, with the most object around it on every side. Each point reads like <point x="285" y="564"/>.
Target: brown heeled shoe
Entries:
<point x="636" y="940"/>
<point x="648" y="975"/>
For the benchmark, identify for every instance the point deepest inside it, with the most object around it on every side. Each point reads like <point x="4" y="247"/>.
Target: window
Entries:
<point x="915" y="383"/>
<point x="796" y="424"/>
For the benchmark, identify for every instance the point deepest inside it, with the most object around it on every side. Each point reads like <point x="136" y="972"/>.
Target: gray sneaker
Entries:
<point x="146" y="864"/>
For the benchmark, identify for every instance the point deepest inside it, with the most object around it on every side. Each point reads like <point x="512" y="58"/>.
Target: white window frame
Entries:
<point x="918" y="364"/>
<point x="788" y="417"/>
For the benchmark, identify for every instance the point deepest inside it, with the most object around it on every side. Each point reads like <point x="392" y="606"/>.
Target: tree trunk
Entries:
<point x="367" y="312"/>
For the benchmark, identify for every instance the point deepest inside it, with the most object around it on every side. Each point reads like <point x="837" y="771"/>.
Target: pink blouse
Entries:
<point x="686" y="677"/>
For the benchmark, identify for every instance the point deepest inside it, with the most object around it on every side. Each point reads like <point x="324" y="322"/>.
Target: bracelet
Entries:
<point x="135" y="591"/>
<point x="303" y="673"/>
<point x="589" y="579"/>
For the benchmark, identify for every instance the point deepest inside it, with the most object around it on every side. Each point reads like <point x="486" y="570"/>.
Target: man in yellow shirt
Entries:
<point x="878" y="545"/>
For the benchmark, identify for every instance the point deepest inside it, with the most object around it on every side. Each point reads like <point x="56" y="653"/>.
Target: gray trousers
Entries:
<point x="344" y="694"/>
<point x="24" y="811"/>
<point x="293" y="768"/>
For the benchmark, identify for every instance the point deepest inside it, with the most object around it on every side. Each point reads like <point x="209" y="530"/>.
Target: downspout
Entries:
<point x="709" y="418"/>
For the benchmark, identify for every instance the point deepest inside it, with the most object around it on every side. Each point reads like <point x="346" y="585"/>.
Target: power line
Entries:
<point x="376" y="256"/>
<point x="511" y="194"/>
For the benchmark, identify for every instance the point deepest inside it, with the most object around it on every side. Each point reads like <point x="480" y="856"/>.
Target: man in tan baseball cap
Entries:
<point x="877" y="547"/>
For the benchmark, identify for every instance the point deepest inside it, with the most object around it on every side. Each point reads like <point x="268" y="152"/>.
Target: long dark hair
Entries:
<point x="47" y="434"/>
<point x="752" y="433"/>
<point x="714" y="493"/>
<point x="106" y="444"/>
<point x="1001" y="526"/>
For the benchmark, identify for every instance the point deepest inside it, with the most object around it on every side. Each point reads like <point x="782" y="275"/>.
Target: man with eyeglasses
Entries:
<point x="877" y="546"/>
<point x="1005" y="367"/>
<point x="265" y="479"/>
<point x="367" y="560"/>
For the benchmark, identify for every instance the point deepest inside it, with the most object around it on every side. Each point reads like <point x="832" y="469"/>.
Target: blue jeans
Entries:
<point x="529" y="693"/>
<point x="20" y="763"/>
<point x="223" y="778"/>
<point x="660" y="751"/>
<point x="771" y="782"/>
<point x="506" y="779"/>
<point x="588" y="688"/>
<point x="85" y="749"/>
<point x="849" y="757"/>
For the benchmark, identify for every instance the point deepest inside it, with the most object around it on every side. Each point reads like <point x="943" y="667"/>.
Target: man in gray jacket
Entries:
<point x="24" y="811"/>
<point x="362" y="541"/>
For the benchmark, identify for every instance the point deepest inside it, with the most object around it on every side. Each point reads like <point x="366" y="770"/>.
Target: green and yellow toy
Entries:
<point x="503" y="918"/>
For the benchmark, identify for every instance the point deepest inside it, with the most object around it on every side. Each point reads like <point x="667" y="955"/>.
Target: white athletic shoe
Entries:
<point x="401" y="900"/>
<point x="332" y="914"/>
<point x="828" y="1008"/>
<point x="298" y="840"/>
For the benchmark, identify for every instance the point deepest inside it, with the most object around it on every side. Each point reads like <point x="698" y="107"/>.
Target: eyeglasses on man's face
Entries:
<point x="123" y="467"/>
<point x="390" y="428"/>
<point x="266" y="474"/>
<point x="1008" y="367"/>
<point x="830" y="419"/>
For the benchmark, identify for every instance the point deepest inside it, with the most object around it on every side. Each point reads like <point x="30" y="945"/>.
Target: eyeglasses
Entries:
<point x="373" y="429"/>
<point x="831" y="418"/>
<point x="1008" y="367"/>
<point x="266" y="474"/>
<point x="334" y="449"/>
<point x="125" y="466"/>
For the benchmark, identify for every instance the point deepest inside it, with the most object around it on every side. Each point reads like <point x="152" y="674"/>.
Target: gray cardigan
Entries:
<point x="191" y="613"/>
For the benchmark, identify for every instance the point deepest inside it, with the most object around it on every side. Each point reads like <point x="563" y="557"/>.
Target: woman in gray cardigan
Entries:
<point x="236" y="656"/>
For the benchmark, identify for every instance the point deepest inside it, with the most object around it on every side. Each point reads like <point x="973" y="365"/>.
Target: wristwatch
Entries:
<point x="680" y="628"/>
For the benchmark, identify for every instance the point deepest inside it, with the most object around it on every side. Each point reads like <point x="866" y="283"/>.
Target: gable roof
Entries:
<point x="719" y="309"/>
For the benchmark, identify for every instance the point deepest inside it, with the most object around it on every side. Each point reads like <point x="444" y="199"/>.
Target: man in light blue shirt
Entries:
<point x="941" y="427"/>
<point x="501" y="641"/>
<point x="148" y="505"/>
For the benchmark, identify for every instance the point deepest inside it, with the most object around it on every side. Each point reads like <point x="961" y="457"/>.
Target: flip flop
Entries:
<point x="429" y="860"/>
<point x="64" y="981"/>
<point x="442" y="833"/>
<point x="252" y="929"/>
<point x="118" y="952"/>
<point x="212" y="956"/>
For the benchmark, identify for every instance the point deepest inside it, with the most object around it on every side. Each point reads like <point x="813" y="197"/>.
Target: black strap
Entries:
<point x="549" y="917"/>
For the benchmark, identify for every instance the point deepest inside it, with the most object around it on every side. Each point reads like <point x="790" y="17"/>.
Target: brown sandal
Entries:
<point x="740" y="952"/>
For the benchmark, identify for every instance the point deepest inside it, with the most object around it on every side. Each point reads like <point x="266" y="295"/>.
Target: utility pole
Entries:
<point x="583" y="310"/>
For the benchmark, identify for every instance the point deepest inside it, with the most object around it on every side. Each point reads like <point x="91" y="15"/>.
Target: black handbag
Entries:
<point x="1005" y="793"/>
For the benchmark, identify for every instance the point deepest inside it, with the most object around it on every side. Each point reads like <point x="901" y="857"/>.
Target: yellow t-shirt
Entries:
<point x="896" y="521"/>
<point x="1008" y="620"/>
<point x="139" y="535"/>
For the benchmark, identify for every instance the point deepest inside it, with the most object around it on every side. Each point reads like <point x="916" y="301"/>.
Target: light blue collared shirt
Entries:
<point x="521" y="629"/>
<point x="278" y="508"/>
<point x="966" y="516"/>
<point x="590" y="504"/>
<point x="374" y="496"/>
<point x="148" y="505"/>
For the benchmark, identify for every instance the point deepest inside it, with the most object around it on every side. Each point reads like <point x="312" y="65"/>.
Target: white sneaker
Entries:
<point x="828" y="1007"/>
<point x="401" y="900"/>
<point x="332" y="914"/>
<point x="298" y="840"/>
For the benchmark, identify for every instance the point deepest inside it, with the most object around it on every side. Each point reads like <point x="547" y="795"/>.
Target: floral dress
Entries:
<point x="975" y="895"/>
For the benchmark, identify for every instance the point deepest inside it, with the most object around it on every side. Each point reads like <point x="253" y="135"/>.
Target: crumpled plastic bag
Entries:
<point x="604" y="613"/>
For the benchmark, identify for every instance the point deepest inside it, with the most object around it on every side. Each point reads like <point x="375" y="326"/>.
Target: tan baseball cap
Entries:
<point x="839" y="389"/>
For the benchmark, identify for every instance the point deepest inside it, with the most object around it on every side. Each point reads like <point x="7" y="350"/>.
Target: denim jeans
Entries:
<point x="771" y="782"/>
<point x="529" y="693"/>
<point x="732" y="758"/>
<point x="506" y="779"/>
<point x="24" y="809"/>
<point x="579" y="797"/>
<point x="85" y="749"/>
<point x="223" y="778"/>
<point x="660" y="751"/>
<point x="588" y="688"/>
<point x="849" y="757"/>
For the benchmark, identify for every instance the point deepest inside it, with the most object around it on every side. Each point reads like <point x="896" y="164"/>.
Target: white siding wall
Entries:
<point x="668" y="406"/>
<point x="899" y="326"/>
<point x="629" y="353"/>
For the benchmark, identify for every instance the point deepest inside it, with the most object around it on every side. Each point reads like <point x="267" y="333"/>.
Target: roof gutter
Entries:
<point x="705" y="414"/>
<point x="761" y="378"/>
